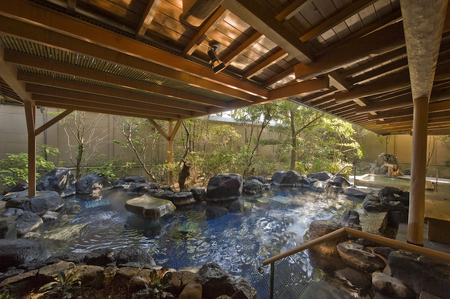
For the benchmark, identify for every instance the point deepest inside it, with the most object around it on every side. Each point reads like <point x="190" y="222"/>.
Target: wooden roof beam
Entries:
<point x="106" y="91"/>
<point x="292" y="9"/>
<point x="147" y="17"/>
<point x="264" y="22"/>
<point x="299" y="88"/>
<point x="279" y="77"/>
<point x="195" y="12"/>
<point x="96" y="99"/>
<point x="205" y="29"/>
<point x="54" y="102"/>
<point x="337" y="19"/>
<point x="272" y="59"/>
<point x="71" y="6"/>
<point x="74" y="35"/>
<point x="73" y="70"/>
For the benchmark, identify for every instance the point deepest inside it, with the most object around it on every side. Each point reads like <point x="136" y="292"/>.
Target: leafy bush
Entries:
<point x="14" y="169"/>
<point x="63" y="287"/>
<point x="159" y="282"/>
<point x="4" y="293"/>
<point x="114" y="168"/>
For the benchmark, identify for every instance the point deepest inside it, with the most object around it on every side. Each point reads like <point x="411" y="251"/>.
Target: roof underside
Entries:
<point x="147" y="58"/>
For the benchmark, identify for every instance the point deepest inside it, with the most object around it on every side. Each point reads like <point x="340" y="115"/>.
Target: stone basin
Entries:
<point x="149" y="207"/>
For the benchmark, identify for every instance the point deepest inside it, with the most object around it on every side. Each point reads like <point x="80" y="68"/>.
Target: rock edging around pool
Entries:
<point x="125" y="272"/>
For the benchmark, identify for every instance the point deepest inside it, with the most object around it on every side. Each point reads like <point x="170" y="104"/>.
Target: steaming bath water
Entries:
<point x="238" y="242"/>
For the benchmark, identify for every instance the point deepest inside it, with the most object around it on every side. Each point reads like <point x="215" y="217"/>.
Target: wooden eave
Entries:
<point x="141" y="58"/>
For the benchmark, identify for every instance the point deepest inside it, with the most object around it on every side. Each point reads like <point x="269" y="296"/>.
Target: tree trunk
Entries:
<point x="184" y="174"/>
<point x="293" y="141"/>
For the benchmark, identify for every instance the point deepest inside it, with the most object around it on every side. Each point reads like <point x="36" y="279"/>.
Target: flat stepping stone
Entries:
<point x="282" y="199"/>
<point x="149" y="207"/>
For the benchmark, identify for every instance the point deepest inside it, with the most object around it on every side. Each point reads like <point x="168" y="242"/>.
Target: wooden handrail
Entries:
<point x="378" y="239"/>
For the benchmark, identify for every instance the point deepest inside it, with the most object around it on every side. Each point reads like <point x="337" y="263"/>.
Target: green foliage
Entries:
<point x="14" y="169"/>
<point x="159" y="282"/>
<point x="63" y="286"/>
<point x="4" y="293"/>
<point x="447" y="163"/>
<point x="114" y="168"/>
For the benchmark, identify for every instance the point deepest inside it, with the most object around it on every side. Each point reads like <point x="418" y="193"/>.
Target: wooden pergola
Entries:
<point x="381" y="64"/>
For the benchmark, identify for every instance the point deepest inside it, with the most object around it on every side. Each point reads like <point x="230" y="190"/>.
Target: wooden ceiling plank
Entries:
<point x="391" y="67"/>
<point x="73" y="70"/>
<point x="52" y="102"/>
<point x="274" y="58"/>
<point x="249" y="42"/>
<point x="71" y="6"/>
<point x="81" y="37"/>
<point x="147" y="17"/>
<point x="106" y="91"/>
<point x="336" y="19"/>
<point x="279" y="77"/>
<point x="205" y="29"/>
<point x="299" y="88"/>
<point x="376" y="43"/>
<point x="264" y="22"/>
<point x="62" y="93"/>
<point x="292" y="9"/>
<point x="322" y="100"/>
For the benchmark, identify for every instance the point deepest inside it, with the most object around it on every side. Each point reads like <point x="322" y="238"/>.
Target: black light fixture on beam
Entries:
<point x="216" y="64"/>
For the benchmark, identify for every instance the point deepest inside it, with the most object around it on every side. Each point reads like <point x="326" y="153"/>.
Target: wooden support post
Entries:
<point x="170" y="151"/>
<point x="30" y="115"/>
<point x="418" y="172"/>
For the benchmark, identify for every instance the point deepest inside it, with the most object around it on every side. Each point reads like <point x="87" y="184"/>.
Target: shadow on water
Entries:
<point x="238" y="242"/>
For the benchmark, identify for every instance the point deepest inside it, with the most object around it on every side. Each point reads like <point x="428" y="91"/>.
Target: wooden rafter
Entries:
<point x="205" y="29"/>
<point x="274" y="58"/>
<point x="52" y="121"/>
<point x="115" y="48"/>
<point x="106" y="91"/>
<point x="9" y="74"/>
<point x="147" y="17"/>
<point x="299" y="88"/>
<point x="77" y="71"/>
<point x="71" y="6"/>
<point x="292" y="9"/>
<point x="250" y="41"/>
<point x="337" y="18"/>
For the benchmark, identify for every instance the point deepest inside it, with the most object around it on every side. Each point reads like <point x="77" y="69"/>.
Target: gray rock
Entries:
<point x="149" y="207"/>
<point x="211" y="211"/>
<point x="350" y="219"/>
<point x="142" y="188"/>
<point x="420" y="273"/>
<point x="164" y="194"/>
<point x="134" y="257"/>
<point x="181" y="279"/>
<point x="355" y="193"/>
<point x="325" y="255"/>
<point x="43" y="201"/>
<point x="60" y="180"/>
<point x="224" y="188"/>
<point x="199" y="194"/>
<point x="289" y="178"/>
<point x="100" y="257"/>
<point x="183" y="199"/>
<point x="8" y="228"/>
<point x="320" y="176"/>
<point x="91" y="183"/>
<point x="89" y="275"/>
<point x="20" y="186"/>
<point x="383" y="251"/>
<point x="359" y="258"/>
<point x="135" y="179"/>
<point x="253" y="187"/>
<point x="318" y="186"/>
<point x="372" y="204"/>
<point x="425" y="295"/>
<point x="258" y="178"/>
<point x="390" y="286"/>
<point x="124" y="275"/>
<point x="215" y="282"/>
<point x="359" y="280"/>
<point x="23" y="281"/>
<point x="28" y="222"/>
<point x="339" y="181"/>
<point x="12" y="212"/>
<point x="49" y="273"/>
<point x="16" y="252"/>
<point x="49" y="216"/>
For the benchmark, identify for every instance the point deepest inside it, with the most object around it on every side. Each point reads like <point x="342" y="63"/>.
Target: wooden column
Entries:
<point x="30" y="115"/>
<point x="418" y="172"/>
<point x="170" y="151"/>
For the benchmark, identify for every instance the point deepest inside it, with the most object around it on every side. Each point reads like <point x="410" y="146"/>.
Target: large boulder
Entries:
<point x="224" y="188"/>
<point x="91" y="183"/>
<point x="389" y="194"/>
<point x="183" y="199"/>
<point x="60" y="180"/>
<point x="8" y="227"/>
<point x="319" y="176"/>
<point x="350" y="219"/>
<point x="149" y="207"/>
<point x="42" y="202"/>
<point x="16" y="252"/>
<point x="253" y="187"/>
<point x="390" y="286"/>
<point x="359" y="258"/>
<point x="199" y="194"/>
<point x="28" y="222"/>
<point x="289" y="178"/>
<point x="143" y="188"/>
<point x="420" y="274"/>
<point x="100" y="257"/>
<point x="325" y="255"/>
<point x="135" y="179"/>
<point x="216" y="282"/>
<point x="372" y="204"/>
<point x="20" y="186"/>
<point x="135" y="257"/>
